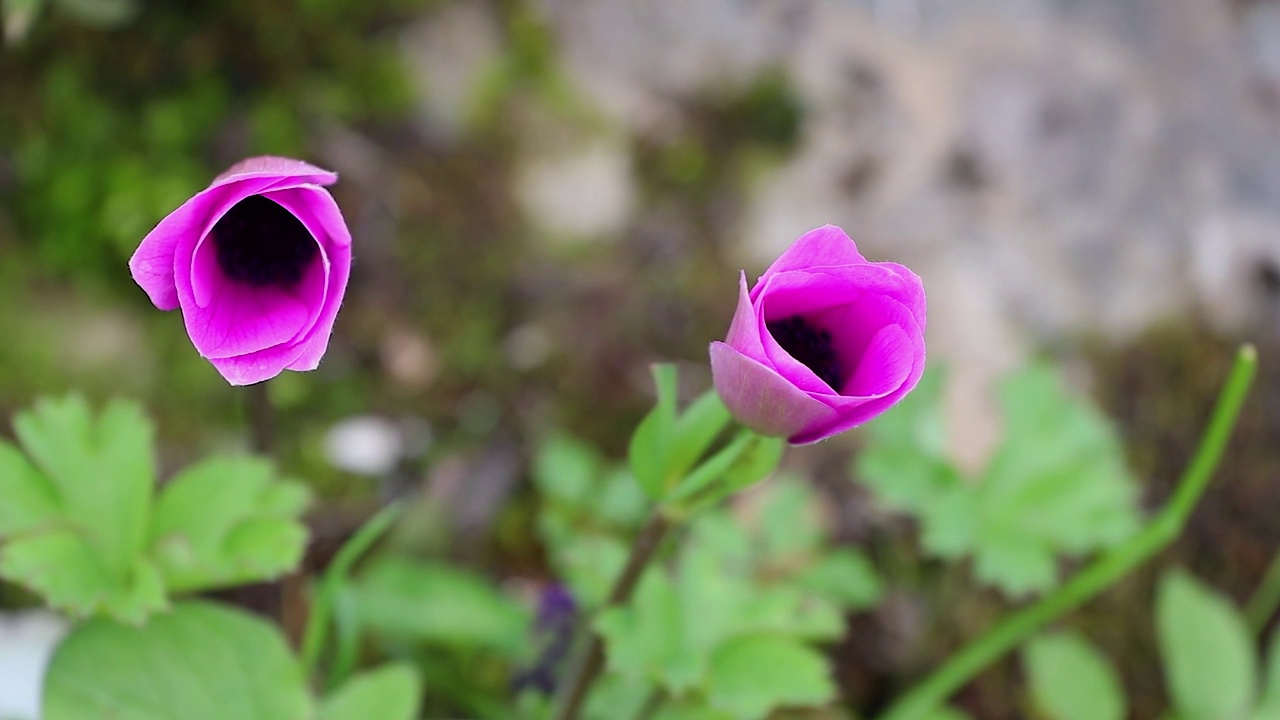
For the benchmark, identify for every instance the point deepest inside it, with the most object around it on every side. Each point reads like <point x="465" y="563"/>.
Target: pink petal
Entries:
<point x="257" y="367"/>
<point x="321" y="211"/>
<point x="153" y="263"/>
<point x="243" y="319"/>
<point x="912" y="294"/>
<point x="762" y="399"/>
<point x="853" y="328"/>
<point x="310" y="204"/>
<point x="745" y="334"/>
<point x="821" y="247"/>
<point x="281" y="168"/>
<point x="884" y="365"/>
<point x="854" y="411"/>
<point x="314" y="348"/>
<point x="787" y="366"/>
<point x="804" y="292"/>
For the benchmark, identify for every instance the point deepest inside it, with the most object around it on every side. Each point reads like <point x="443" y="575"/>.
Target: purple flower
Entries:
<point x="258" y="262"/>
<point x="825" y="341"/>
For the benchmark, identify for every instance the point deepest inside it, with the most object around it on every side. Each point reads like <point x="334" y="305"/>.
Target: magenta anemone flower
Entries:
<point x="825" y="341"/>
<point x="258" y="263"/>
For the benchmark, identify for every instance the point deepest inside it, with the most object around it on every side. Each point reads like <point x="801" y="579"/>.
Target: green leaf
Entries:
<point x="614" y="696"/>
<point x="650" y="449"/>
<point x="432" y="602"/>
<point x="1269" y="708"/>
<point x="591" y="567"/>
<point x="689" y="710"/>
<point x="790" y="524"/>
<point x="746" y="460"/>
<point x="1071" y="681"/>
<point x="392" y="692"/>
<point x="711" y="469"/>
<point x="647" y="639"/>
<point x="947" y="713"/>
<point x="846" y="577"/>
<point x="102" y="471"/>
<point x="29" y="500"/>
<point x="65" y="570"/>
<point x="201" y="661"/>
<point x="1209" y="664"/>
<point x="89" y="488"/>
<point x="752" y="676"/>
<point x="718" y="593"/>
<point x="566" y="470"/>
<point x="754" y="464"/>
<point x="905" y="462"/>
<point x="1057" y="485"/>
<point x="694" y="431"/>
<point x="226" y="521"/>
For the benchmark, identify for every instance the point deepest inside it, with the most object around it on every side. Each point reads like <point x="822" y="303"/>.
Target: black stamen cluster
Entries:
<point x="810" y="346"/>
<point x="260" y="243"/>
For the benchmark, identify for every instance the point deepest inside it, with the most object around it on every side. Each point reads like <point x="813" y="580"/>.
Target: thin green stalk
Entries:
<point x="326" y="594"/>
<point x="261" y="417"/>
<point x="1102" y="574"/>
<point x="1266" y="598"/>
<point x="590" y="664"/>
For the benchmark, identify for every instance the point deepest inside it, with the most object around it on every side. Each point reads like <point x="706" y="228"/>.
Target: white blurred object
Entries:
<point x="365" y="444"/>
<point x="450" y="53"/>
<point x="579" y="193"/>
<point x="27" y="642"/>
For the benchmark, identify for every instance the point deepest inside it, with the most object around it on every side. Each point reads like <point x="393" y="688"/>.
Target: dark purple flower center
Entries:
<point x="810" y="346"/>
<point x="260" y="243"/>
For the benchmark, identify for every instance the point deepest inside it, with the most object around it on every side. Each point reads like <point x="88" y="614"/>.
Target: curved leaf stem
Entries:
<point x="1265" y="599"/>
<point x="326" y="593"/>
<point x="1103" y="573"/>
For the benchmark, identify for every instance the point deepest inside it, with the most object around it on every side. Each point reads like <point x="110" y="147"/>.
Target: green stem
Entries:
<point x="326" y="594"/>
<point x="574" y="693"/>
<point x="1262" y="605"/>
<point x="261" y="418"/>
<point x="1163" y="529"/>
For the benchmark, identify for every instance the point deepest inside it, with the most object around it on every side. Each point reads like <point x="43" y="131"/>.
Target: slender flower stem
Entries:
<point x="326" y="593"/>
<point x="261" y="417"/>
<point x="1262" y="604"/>
<point x="1163" y="529"/>
<point x="591" y="662"/>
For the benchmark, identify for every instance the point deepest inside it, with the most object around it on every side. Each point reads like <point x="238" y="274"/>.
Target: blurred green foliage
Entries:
<point x="1057" y="485"/>
<point x="84" y="527"/>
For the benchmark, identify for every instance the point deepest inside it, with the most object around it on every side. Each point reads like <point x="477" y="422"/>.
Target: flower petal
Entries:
<point x="821" y="247"/>
<point x="271" y="166"/>
<point x="762" y="399"/>
<point x="242" y="319"/>
<point x="258" y="366"/>
<point x="853" y="411"/>
<point x="322" y="209"/>
<point x="804" y="292"/>
<point x="154" y="266"/>
<point x="854" y="327"/>
<point x="314" y="206"/>
<point x="745" y="333"/>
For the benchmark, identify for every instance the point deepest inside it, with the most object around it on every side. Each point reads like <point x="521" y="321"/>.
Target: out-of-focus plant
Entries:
<point x="1058" y="485"/>
<point x="726" y="625"/>
<point x="82" y="527"/>
<point x="1211" y="669"/>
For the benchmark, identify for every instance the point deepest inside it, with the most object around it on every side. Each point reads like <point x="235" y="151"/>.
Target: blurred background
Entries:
<point x="548" y="195"/>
